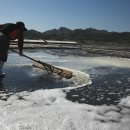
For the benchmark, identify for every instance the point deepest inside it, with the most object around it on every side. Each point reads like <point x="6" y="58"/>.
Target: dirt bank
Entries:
<point x="85" y="50"/>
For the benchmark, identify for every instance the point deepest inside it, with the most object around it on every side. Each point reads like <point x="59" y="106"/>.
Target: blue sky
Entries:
<point x="42" y="15"/>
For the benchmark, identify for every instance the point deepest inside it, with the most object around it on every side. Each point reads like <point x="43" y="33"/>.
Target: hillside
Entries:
<point x="81" y="35"/>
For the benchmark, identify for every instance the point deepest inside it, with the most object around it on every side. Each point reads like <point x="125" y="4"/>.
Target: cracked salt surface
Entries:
<point x="43" y="108"/>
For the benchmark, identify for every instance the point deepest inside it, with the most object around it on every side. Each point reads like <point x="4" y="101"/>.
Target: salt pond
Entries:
<point x="37" y="101"/>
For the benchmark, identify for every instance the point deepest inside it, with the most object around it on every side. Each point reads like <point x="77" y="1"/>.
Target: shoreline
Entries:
<point x="91" y="50"/>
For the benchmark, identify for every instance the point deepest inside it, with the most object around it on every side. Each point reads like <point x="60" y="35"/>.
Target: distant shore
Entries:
<point x="94" y="50"/>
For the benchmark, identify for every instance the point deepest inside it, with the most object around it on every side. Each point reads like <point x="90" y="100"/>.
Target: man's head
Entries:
<point x="21" y="25"/>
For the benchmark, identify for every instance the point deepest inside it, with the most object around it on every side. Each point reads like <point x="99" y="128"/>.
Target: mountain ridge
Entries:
<point x="64" y="33"/>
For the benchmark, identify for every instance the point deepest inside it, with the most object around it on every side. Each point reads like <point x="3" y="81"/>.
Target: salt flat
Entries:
<point x="47" y="108"/>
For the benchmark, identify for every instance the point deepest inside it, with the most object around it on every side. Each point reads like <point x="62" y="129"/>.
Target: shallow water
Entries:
<point x="106" y="88"/>
<point x="110" y="75"/>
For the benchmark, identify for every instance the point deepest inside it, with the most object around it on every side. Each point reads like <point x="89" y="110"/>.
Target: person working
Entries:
<point x="10" y="31"/>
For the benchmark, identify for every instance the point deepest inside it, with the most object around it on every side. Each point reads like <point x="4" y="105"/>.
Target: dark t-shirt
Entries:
<point x="5" y="40"/>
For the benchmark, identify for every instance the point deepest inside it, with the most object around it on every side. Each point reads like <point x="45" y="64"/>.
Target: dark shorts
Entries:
<point x="4" y="47"/>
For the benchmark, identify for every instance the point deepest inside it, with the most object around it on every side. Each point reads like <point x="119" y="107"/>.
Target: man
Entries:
<point x="10" y="31"/>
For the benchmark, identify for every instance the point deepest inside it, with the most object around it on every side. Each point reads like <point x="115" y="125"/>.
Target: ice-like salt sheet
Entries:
<point x="49" y="110"/>
<point x="82" y="63"/>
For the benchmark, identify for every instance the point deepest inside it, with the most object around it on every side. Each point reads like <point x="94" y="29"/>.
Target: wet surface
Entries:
<point x="110" y="79"/>
<point x="106" y="88"/>
<point x="27" y="78"/>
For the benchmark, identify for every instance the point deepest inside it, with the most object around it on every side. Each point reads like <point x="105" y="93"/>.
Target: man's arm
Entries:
<point x="20" y="42"/>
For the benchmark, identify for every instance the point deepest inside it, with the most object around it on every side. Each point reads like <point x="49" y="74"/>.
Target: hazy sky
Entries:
<point x="42" y="15"/>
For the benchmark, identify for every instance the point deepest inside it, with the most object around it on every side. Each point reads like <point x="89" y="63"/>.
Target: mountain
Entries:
<point x="59" y="31"/>
<point x="32" y="34"/>
<point x="79" y="35"/>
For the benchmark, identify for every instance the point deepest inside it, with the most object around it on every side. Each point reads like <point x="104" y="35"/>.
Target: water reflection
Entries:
<point x="27" y="78"/>
<point x="109" y="85"/>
